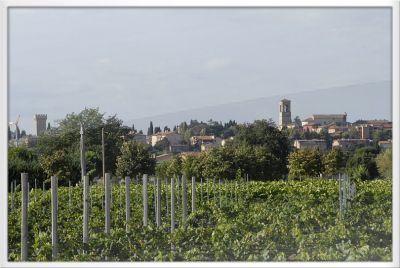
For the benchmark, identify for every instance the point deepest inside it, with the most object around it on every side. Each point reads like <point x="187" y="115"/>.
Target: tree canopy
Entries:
<point x="135" y="159"/>
<point x="64" y="140"/>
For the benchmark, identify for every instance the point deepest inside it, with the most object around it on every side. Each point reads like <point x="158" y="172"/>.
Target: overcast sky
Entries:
<point x="139" y="62"/>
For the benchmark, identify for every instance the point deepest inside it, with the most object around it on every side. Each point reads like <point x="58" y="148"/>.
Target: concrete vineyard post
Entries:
<point x="127" y="202"/>
<point x="24" y="215"/>
<point x="184" y="200"/>
<point x="166" y="195"/>
<point x="208" y="194"/>
<point x="12" y="196"/>
<point x="54" y="205"/>
<point x="213" y="189"/>
<point x="172" y="204"/>
<point x="340" y="197"/>
<point x="219" y="192"/>
<point x="193" y="194"/>
<point x="158" y="202"/>
<point x="201" y="190"/>
<point x="85" y="209"/>
<point x="107" y="199"/>
<point x="178" y="192"/>
<point x="145" y="200"/>
<point x="155" y="198"/>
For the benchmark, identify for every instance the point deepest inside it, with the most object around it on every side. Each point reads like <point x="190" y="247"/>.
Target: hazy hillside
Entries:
<point x="366" y="101"/>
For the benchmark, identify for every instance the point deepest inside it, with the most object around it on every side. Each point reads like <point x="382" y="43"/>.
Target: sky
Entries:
<point x="142" y="62"/>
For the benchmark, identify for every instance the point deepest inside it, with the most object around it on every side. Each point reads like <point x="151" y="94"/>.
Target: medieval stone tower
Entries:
<point x="285" y="115"/>
<point x="40" y="123"/>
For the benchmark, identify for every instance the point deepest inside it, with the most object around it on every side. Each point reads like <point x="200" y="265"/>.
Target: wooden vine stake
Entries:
<point x="184" y="200"/>
<point x="127" y="202"/>
<point x="24" y="215"/>
<point x="193" y="194"/>
<point x="158" y="202"/>
<point x="107" y="204"/>
<point x="172" y="204"/>
<point x="85" y="211"/>
<point x="54" y="205"/>
<point x="145" y="201"/>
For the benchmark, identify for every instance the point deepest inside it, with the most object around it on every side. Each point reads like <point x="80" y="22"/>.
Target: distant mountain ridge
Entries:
<point x="361" y="101"/>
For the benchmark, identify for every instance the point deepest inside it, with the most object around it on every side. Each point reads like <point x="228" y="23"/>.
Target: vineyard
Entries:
<point x="231" y="221"/>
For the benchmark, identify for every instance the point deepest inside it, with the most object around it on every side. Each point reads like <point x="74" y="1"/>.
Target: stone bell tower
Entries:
<point x="285" y="115"/>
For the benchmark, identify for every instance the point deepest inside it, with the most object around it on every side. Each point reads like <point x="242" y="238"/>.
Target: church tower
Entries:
<point x="285" y="115"/>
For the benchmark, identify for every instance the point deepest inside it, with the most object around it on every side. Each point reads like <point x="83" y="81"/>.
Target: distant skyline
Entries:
<point x="142" y="62"/>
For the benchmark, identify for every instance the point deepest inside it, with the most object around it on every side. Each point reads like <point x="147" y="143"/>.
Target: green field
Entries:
<point x="268" y="221"/>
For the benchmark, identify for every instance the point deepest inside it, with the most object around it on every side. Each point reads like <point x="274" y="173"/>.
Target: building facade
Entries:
<point x="173" y="138"/>
<point x="321" y="145"/>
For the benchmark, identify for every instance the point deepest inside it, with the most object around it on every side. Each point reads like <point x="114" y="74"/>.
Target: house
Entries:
<point x="311" y="144"/>
<point x="173" y="138"/>
<point x="367" y="129"/>
<point x="310" y="127"/>
<point x="346" y="144"/>
<point x="202" y="140"/>
<point x="337" y="129"/>
<point x="325" y="119"/>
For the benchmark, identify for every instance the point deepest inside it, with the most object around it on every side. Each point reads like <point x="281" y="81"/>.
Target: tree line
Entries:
<point x="259" y="149"/>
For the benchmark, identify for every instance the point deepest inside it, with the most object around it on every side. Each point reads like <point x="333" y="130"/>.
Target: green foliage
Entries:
<point x="61" y="164"/>
<point x="224" y="162"/>
<point x="192" y="166"/>
<point x="162" y="145"/>
<point x="150" y="130"/>
<point x="333" y="162"/>
<point x="305" y="163"/>
<point x="257" y="228"/>
<point x="351" y="134"/>
<point x="384" y="163"/>
<point x="364" y="157"/>
<point x="22" y="159"/>
<point x="358" y="173"/>
<point x="196" y="128"/>
<point x="218" y="163"/>
<point x="135" y="159"/>
<point x="9" y="133"/>
<point x="65" y="140"/>
<point x="382" y="135"/>
<point x="265" y="134"/>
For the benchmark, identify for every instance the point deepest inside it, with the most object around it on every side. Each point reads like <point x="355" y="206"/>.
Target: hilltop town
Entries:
<point x="319" y="131"/>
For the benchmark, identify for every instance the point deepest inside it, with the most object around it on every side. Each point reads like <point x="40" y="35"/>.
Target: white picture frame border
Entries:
<point x="6" y="4"/>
